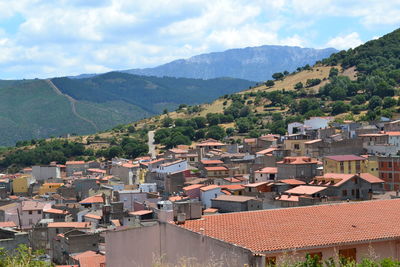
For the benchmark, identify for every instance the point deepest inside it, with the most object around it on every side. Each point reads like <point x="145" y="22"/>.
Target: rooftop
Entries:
<point x="209" y="187"/>
<point x="208" y="162"/>
<point x="305" y="190"/>
<point x="69" y="225"/>
<point x="344" y="157"/>
<point x="278" y="229"/>
<point x="92" y="199"/>
<point x="292" y="182"/>
<point x="268" y="170"/>
<point x="298" y="160"/>
<point x="233" y="198"/>
<point x="218" y="168"/>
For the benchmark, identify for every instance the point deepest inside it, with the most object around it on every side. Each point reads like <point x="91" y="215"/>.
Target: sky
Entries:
<point x="49" y="38"/>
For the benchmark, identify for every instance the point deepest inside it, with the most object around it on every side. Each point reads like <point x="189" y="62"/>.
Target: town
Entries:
<point x="236" y="204"/>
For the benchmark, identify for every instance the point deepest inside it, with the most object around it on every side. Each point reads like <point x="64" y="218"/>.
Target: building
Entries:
<point x="301" y="168"/>
<point x="49" y="188"/>
<point x="265" y="174"/>
<point x="389" y="171"/>
<point x="127" y="172"/>
<point x="232" y="203"/>
<point x="345" y="164"/>
<point x="244" y="238"/>
<point x="32" y="212"/>
<point x="216" y="172"/>
<point x="11" y="239"/>
<point x="209" y="192"/>
<point x="42" y="173"/>
<point x="75" y="167"/>
<point x="22" y="184"/>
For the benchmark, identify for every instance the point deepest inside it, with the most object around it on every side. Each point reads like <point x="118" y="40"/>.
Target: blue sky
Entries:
<point x="46" y="38"/>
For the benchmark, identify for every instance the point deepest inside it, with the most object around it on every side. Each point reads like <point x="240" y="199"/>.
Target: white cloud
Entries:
<point x="350" y="40"/>
<point x="75" y="36"/>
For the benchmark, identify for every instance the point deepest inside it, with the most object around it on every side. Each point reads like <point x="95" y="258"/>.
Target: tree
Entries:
<point x="216" y="132"/>
<point x="200" y="122"/>
<point x="244" y="125"/>
<point x="312" y="82"/>
<point x="374" y="102"/>
<point x="389" y="102"/>
<point x="339" y="107"/>
<point x="213" y="119"/>
<point x="167" y="122"/>
<point x="278" y="75"/>
<point x="269" y="83"/>
<point x="229" y="131"/>
<point x="131" y="129"/>
<point x="333" y="72"/>
<point x="114" y="151"/>
<point x="298" y="85"/>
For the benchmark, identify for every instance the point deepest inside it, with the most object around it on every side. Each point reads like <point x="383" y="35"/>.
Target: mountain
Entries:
<point x="31" y="109"/>
<point x="251" y="63"/>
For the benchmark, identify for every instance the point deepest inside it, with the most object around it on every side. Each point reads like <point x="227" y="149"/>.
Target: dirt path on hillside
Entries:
<point x="72" y="102"/>
<point x="152" y="147"/>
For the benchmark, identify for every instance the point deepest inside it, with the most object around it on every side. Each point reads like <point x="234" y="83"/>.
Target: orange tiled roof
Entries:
<point x="56" y="211"/>
<point x="8" y="224"/>
<point x="267" y="151"/>
<point x="268" y="170"/>
<point x="207" y="162"/>
<point x="232" y="187"/>
<point x="177" y="198"/>
<point x="234" y="198"/>
<point x="209" y="187"/>
<point x="218" y="168"/>
<point x="342" y="224"/>
<point x="292" y="182"/>
<point x="305" y="190"/>
<point x="226" y="192"/>
<point x="93" y="216"/>
<point x="141" y="212"/>
<point x="191" y="187"/>
<point x="92" y="199"/>
<point x="210" y="142"/>
<point x="298" y="160"/>
<point x="340" y="178"/>
<point x="74" y="162"/>
<point x="69" y="225"/>
<point x="288" y="198"/>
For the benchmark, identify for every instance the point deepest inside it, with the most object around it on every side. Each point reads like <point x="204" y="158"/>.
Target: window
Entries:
<point x="352" y="192"/>
<point x="39" y="212"/>
<point x="348" y="254"/>
<point x="358" y="166"/>
<point x="390" y="164"/>
<point x="30" y="212"/>
<point x="342" y="167"/>
<point x="344" y="192"/>
<point x="390" y="175"/>
<point x="296" y="146"/>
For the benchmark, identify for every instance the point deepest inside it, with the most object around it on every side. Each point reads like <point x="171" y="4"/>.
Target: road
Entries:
<point x="72" y="102"/>
<point x="152" y="147"/>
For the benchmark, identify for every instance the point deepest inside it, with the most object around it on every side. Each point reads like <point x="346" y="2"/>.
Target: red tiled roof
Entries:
<point x="8" y="224"/>
<point x="93" y="216"/>
<point x="252" y="185"/>
<point x="298" y="160"/>
<point x="250" y="140"/>
<point x="90" y="259"/>
<point x="313" y="141"/>
<point x="209" y="187"/>
<point x="232" y="187"/>
<point x="178" y="151"/>
<point x="267" y="151"/>
<point x="33" y="205"/>
<point x="268" y="170"/>
<point x="97" y="170"/>
<point x="56" y="211"/>
<point x="74" y="162"/>
<point x="232" y="180"/>
<point x="393" y="133"/>
<point x="292" y="182"/>
<point x="191" y="187"/>
<point x="305" y="190"/>
<point x="288" y="198"/>
<point x="210" y="210"/>
<point x="69" y="225"/>
<point x="297" y="228"/>
<point x="344" y="157"/>
<point x="141" y="212"/>
<point x="207" y="162"/>
<point x="210" y="142"/>
<point x="341" y="178"/>
<point x="116" y="222"/>
<point x="218" y="168"/>
<point x="226" y="192"/>
<point x="233" y="198"/>
<point x="93" y="199"/>
<point x="177" y="198"/>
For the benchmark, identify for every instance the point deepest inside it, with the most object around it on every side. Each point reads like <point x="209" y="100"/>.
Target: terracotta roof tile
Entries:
<point x="209" y="187"/>
<point x="207" y="162"/>
<point x="305" y="190"/>
<point x="92" y="199"/>
<point x="268" y="170"/>
<point x="8" y="224"/>
<point x="292" y="182"/>
<point x="69" y="225"/>
<point x="296" y="228"/>
<point x="344" y="157"/>
<point x="219" y="168"/>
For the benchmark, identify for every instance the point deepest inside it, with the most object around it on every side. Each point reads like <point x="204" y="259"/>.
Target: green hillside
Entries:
<point x="32" y="109"/>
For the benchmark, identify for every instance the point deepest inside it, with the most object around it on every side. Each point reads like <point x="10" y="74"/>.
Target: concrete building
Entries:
<point x="76" y="167"/>
<point x="345" y="164"/>
<point x="42" y="173"/>
<point x="389" y="171"/>
<point x="265" y="174"/>
<point x="244" y="238"/>
<point x="302" y="168"/>
<point x="127" y="172"/>
<point x="209" y="192"/>
<point x="232" y="203"/>
<point x="10" y="239"/>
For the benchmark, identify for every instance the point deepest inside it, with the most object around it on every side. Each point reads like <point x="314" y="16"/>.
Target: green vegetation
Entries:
<point x="22" y="257"/>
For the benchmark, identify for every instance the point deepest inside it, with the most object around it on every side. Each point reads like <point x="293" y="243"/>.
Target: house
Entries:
<point x="216" y="172"/>
<point x="231" y="203"/>
<point x="127" y="172"/>
<point x="389" y="171"/>
<point x="257" y="189"/>
<point x="244" y="238"/>
<point x="76" y="166"/>
<point x="49" y="188"/>
<point x="9" y="213"/>
<point x="43" y="173"/>
<point x="72" y="242"/>
<point x="22" y="185"/>
<point x="301" y="168"/>
<point x="209" y="192"/>
<point x="349" y="186"/>
<point x="31" y="212"/>
<point x="345" y="164"/>
<point x="56" y="215"/>
<point x="192" y="191"/>
<point x="88" y="258"/>
<point x="295" y="143"/>
<point x="129" y="197"/>
<point x="93" y="202"/>
<point x="265" y="174"/>
<point x="11" y="239"/>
